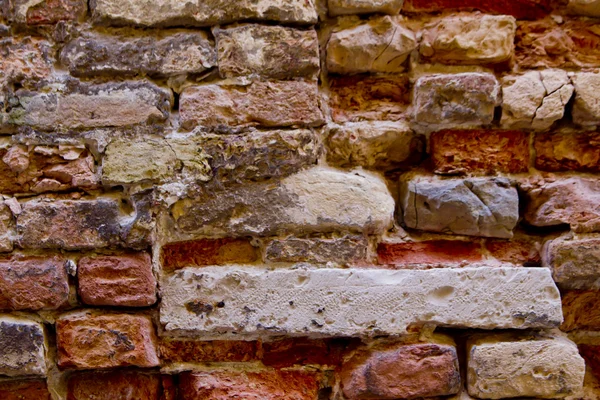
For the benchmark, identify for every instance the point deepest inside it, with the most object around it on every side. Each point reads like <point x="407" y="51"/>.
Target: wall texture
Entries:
<point x="294" y="200"/>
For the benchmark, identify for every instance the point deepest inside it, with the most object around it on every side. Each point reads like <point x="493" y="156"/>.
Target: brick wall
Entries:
<point x="300" y="199"/>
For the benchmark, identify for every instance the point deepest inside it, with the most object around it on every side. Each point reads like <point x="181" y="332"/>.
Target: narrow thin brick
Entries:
<point x="204" y="252"/>
<point x="300" y="351"/>
<point x="429" y="253"/>
<point x="194" y="351"/>
<point x="521" y="9"/>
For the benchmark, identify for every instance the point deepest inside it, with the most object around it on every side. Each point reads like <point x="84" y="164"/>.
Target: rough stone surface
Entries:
<point x="402" y="370"/>
<point x="48" y="12"/>
<point x="265" y="104"/>
<point x="179" y="53"/>
<point x="24" y="60"/>
<point x="575" y="261"/>
<point x="92" y="106"/>
<point x="86" y="341"/>
<point x="455" y="100"/>
<point x="568" y="151"/>
<point x="270" y="51"/>
<point x="7" y="228"/>
<point x="23" y="347"/>
<point x="122" y="280"/>
<point x="320" y="199"/>
<point x="474" y="206"/>
<point x="522" y="249"/>
<point x="360" y="98"/>
<point x="250" y="385"/>
<point x="348" y="7"/>
<point x="429" y="253"/>
<point x="346" y="250"/>
<point x="541" y="365"/>
<point x="127" y="385"/>
<point x="586" y="108"/>
<point x="374" y="145"/>
<point x="382" y="44"/>
<point x="521" y="9"/>
<point x="33" y="283"/>
<point x="545" y="43"/>
<point x="570" y="200"/>
<point x="469" y="39"/>
<point x="201" y="13"/>
<point x="581" y="310"/>
<point x="24" y="390"/>
<point x="536" y="99"/>
<point x="195" y="351"/>
<point x="590" y="8"/>
<point x="353" y="302"/>
<point x="479" y="151"/>
<point x="205" y="252"/>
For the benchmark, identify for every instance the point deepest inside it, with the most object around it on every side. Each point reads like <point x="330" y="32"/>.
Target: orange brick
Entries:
<point x="205" y="252"/>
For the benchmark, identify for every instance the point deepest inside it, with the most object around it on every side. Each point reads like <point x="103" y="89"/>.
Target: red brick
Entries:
<point x="401" y="371"/>
<point x="24" y="390"/>
<point x="300" y="351"/>
<point x="545" y="43"/>
<point x="522" y="250"/>
<point x="175" y="350"/>
<point x="522" y="9"/>
<point x="581" y="309"/>
<point x="591" y="354"/>
<point x="204" y="252"/>
<point x="33" y="283"/>
<point x="53" y="11"/>
<point x="169" y="389"/>
<point x="87" y="341"/>
<point x="483" y="151"/>
<point x="121" y="280"/>
<point x="251" y="385"/>
<point x="564" y="151"/>
<point x="117" y="385"/>
<point x="429" y="253"/>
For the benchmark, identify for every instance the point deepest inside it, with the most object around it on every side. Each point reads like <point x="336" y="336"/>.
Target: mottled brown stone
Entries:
<point x="117" y="385"/>
<point x="521" y="9"/>
<point x="482" y="151"/>
<point x="299" y="351"/>
<point x="358" y="98"/>
<point x="345" y="250"/>
<point x="204" y="252"/>
<point x="545" y="43"/>
<point x="33" y="283"/>
<point x="176" y="350"/>
<point x="429" y="253"/>
<point x="49" y="12"/>
<point x="574" y="261"/>
<point x="591" y="355"/>
<point x="7" y="228"/>
<point x="24" y="60"/>
<point x="581" y="309"/>
<point x="24" y="390"/>
<point x="88" y="341"/>
<point x="252" y="385"/>
<point x="122" y="280"/>
<point x="23" y="347"/>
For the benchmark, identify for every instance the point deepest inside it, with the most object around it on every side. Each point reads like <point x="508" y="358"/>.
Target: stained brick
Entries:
<point x="23" y="345"/>
<point x="24" y="390"/>
<point x="299" y="351"/>
<point x="205" y="252"/>
<point x="429" y="253"/>
<point x="345" y="250"/>
<point x="581" y="309"/>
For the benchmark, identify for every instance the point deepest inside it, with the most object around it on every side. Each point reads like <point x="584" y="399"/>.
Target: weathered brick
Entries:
<point x="471" y="206"/>
<point x="469" y="39"/>
<point x="530" y="364"/>
<point x="429" y="253"/>
<point x="574" y="261"/>
<point x="346" y="250"/>
<point x="521" y="9"/>
<point x="24" y="390"/>
<point x="83" y="105"/>
<point x="305" y="202"/>
<point x="179" y="53"/>
<point x="248" y="303"/>
<point x="443" y="101"/>
<point x="130" y="385"/>
<point x="24" y="61"/>
<point x="349" y="7"/>
<point x="536" y="99"/>
<point x="270" y="51"/>
<point x="195" y="351"/>
<point x="374" y="145"/>
<point x="264" y="104"/>
<point x="480" y="151"/>
<point x="545" y="43"/>
<point x="381" y="44"/>
<point x="591" y="355"/>
<point x="568" y="151"/>
<point x="37" y="169"/>
<point x="387" y="370"/>
<point x="581" y="311"/>
<point x="300" y="351"/>
<point x="250" y="385"/>
<point x="120" y="280"/>
<point x="49" y="12"/>
<point x="590" y="8"/>
<point x="201" y="13"/>
<point x="523" y="249"/>
<point x="586" y="107"/>
<point x="359" y="98"/>
<point x="204" y="252"/>
<point x="23" y="346"/>
<point x="69" y="224"/>
<point x="33" y="283"/>
<point x="87" y="340"/>
<point x="556" y="201"/>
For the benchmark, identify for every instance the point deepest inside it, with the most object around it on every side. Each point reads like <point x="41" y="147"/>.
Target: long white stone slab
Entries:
<point x="247" y="303"/>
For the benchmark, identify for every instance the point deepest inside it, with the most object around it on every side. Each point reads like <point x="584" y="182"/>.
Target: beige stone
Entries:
<point x="470" y="39"/>
<point x="536" y="99"/>
<point x="346" y="7"/>
<point x="586" y="108"/>
<point x="260" y="303"/>
<point x="540" y="365"/>
<point x="574" y="260"/>
<point x="590" y="8"/>
<point x="382" y="44"/>
<point x="7" y="228"/>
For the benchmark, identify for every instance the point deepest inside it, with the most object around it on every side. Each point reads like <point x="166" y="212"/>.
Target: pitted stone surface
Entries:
<point x="245" y="303"/>
<point x="574" y="260"/>
<point x="23" y="347"/>
<point x="586" y="108"/>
